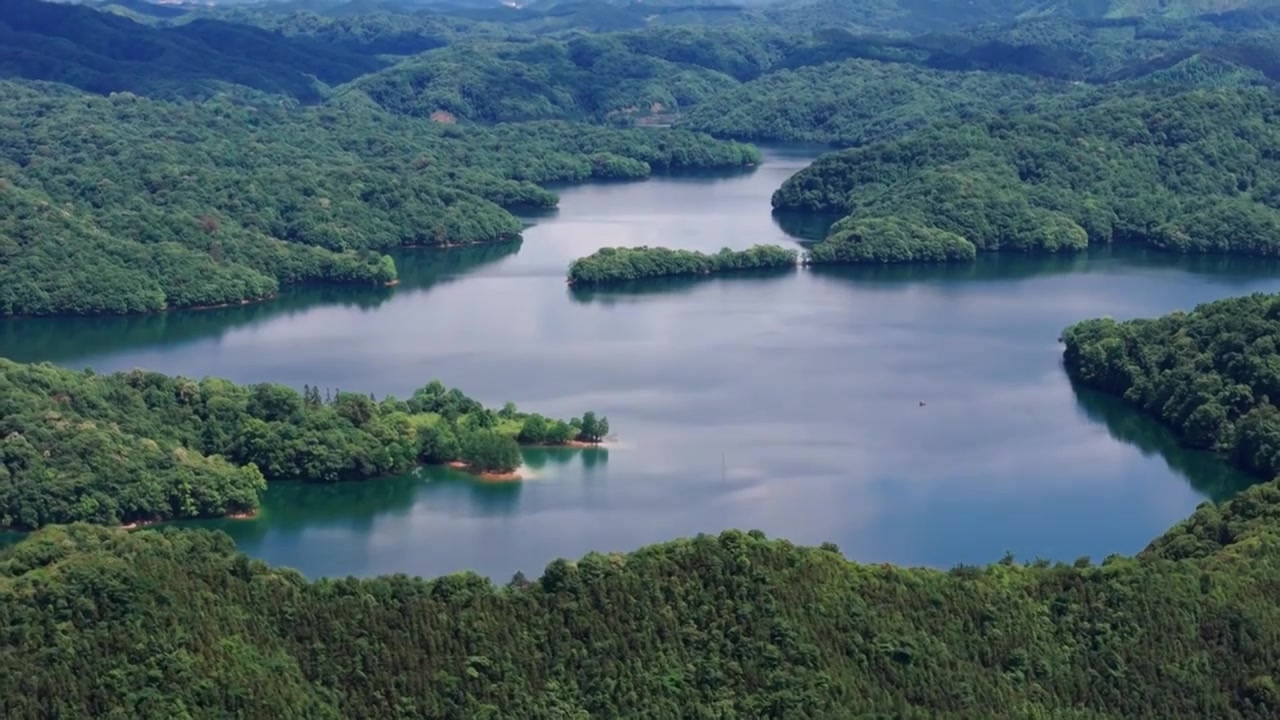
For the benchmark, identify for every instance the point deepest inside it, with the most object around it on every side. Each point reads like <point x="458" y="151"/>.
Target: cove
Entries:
<point x="787" y="402"/>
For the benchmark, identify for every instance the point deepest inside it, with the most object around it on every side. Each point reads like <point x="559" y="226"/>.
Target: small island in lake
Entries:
<point x="615" y="265"/>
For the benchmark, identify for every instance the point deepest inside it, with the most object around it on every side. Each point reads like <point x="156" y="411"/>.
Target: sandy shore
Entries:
<point x="513" y="476"/>
<point x="245" y="515"/>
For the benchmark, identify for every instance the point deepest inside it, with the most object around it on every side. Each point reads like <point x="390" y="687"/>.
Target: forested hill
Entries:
<point x="102" y="52"/>
<point x="895" y="16"/>
<point x="1209" y="374"/>
<point x="142" y="447"/>
<point x="919" y="16"/>
<point x="179" y="624"/>
<point x="1196" y="171"/>
<point x="125" y="204"/>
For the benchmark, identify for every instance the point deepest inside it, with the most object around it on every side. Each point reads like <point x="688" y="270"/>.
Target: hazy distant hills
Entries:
<point x="103" y="52"/>
<point x="171" y="51"/>
<point x="908" y="16"/>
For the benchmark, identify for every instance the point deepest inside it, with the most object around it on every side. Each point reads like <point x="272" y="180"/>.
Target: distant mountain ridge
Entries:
<point x="103" y="52"/>
<point x="908" y="15"/>
<point x="917" y="16"/>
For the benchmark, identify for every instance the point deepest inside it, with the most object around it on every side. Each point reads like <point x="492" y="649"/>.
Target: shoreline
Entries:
<point x="239" y="515"/>
<point x="213" y="306"/>
<point x="139" y="524"/>
<point x="284" y="287"/>
<point x="450" y="245"/>
<point x="607" y="283"/>
<point x="574" y="444"/>
<point x="488" y="477"/>
<point x="494" y="477"/>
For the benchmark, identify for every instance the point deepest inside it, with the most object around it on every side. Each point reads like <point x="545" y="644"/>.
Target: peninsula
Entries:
<point x="144" y="447"/>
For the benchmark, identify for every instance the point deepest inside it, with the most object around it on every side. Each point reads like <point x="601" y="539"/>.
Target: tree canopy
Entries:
<point x="177" y="623"/>
<point x="1210" y="374"/>
<point x="141" y="446"/>
<point x="614" y="265"/>
<point x="1193" y="171"/>
<point x="126" y="204"/>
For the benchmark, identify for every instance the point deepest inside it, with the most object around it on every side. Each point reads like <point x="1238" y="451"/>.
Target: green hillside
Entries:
<point x="103" y="52"/>
<point x="106" y="623"/>
<point x="1192" y="172"/>
<point x="125" y="204"/>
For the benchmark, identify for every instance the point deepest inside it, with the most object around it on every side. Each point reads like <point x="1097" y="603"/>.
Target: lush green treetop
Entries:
<point x="179" y="624"/>
<point x="1195" y="171"/>
<point x="126" y="204"/>
<point x="142" y="446"/>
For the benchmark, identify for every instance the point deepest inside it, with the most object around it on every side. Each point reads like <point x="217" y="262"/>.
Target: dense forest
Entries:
<point x="855" y="102"/>
<point x="1195" y="171"/>
<point x="613" y="265"/>
<point x="125" y="204"/>
<point x="205" y="156"/>
<point x="1210" y="374"/>
<point x="141" y="446"/>
<point x="106" y="623"/>
<point x="154" y="157"/>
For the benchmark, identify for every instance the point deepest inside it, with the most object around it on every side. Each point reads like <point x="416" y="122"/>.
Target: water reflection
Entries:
<point x="1126" y="259"/>
<point x="668" y="286"/>
<point x="357" y="506"/>
<point x="57" y="339"/>
<point x="1204" y="471"/>
<point x="807" y="227"/>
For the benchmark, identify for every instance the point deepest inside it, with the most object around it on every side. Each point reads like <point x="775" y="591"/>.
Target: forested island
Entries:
<point x="1210" y="374"/>
<point x="142" y="446"/>
<point x="614" y="265"/>
<point x="734" y="625"/>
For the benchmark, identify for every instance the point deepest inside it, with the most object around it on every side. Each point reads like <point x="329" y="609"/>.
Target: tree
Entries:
<point x="560" y="433"/>
<point x="490" y="451"/>
<point x="593" y="429"/>
<point x="437" y="445"/>
<point x="534" y="430"/>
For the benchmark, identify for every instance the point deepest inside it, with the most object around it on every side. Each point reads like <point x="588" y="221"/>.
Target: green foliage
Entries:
<point x="612" y="265"/>
<point x="888" y="240"/>
<point x="102" y="53"/>
<point x="371" y="31"/>
<point x="142" y="446"/>
<point x="1191" y="172"/>
<point x="587" y="77"/>
<point x="178" y="624"/>
<point x="490" y="451"/>
<point x="617" y="76"/>
<point x="122" y="204"/>
<point x="918" y="16"/>
<point x="1209" y="374"/>
<point x="856" y="102"/>
<point x="593" y="429"/>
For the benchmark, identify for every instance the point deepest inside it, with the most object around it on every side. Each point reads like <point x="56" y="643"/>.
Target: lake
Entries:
<point x="788" y="402"/>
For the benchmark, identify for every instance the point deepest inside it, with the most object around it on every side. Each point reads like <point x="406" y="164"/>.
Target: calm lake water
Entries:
<point x="787" y="402"/>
